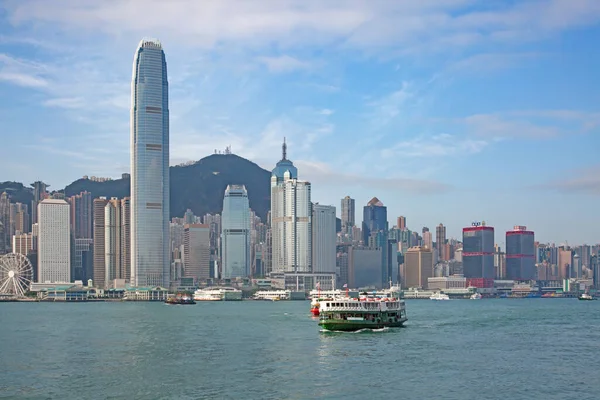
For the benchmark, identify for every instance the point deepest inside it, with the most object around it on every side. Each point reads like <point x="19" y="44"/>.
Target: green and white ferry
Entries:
<point x="365" y="312"/>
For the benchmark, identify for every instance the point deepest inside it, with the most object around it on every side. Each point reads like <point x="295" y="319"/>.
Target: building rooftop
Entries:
<point x="375" y="202"/>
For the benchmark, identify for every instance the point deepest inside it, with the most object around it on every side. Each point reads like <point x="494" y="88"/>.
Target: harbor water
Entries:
<point x="460" y="349"/>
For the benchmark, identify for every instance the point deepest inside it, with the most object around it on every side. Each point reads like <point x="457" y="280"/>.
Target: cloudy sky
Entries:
<point x="448" y="111"/>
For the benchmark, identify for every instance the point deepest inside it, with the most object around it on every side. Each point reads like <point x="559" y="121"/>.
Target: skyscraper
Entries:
<point x="112" y="241"/>
<point x="54" y="241"/>
<point x="348" y="214"/>
<point x="440" y="241"/>
<point x="401" y="223"/>
<point x="150" y="256"/>
<point x="478" y="255"/>
<point x="196" y="250"/>
<point x="324" y="238"/>
<point x="99" y="274"/>
<point x="520" y="254"/>
<point x="291" y="215"/>
<point x="418" y="266"/>
<point x="235" y="233"/>
<point x="374" y="219"/>
<point x="81" y="215"/>
<point x="39" y="194"/>
<point x="126" y="239"/>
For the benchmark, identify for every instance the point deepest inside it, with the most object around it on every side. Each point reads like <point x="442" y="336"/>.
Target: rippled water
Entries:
<point x="488" y="349"/>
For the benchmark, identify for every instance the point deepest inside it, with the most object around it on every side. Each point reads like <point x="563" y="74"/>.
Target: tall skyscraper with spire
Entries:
<point x="150" y="256"/>
<point x="291" y="218"/>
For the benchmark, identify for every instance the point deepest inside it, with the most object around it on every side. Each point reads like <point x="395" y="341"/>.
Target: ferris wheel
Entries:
<point x="16" y="274"/>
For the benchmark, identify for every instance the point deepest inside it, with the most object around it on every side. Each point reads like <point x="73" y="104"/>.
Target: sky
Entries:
<point x="448" y="111"/>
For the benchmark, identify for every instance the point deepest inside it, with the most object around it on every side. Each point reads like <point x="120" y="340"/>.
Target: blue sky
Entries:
<point x="448" y="111"/>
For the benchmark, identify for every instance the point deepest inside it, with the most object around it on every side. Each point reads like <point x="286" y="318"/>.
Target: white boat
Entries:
<point x="476" y="296"/>
<point x="439" y="296"/>
<point x="272" y="295"/>
<point x="218" y="294"/>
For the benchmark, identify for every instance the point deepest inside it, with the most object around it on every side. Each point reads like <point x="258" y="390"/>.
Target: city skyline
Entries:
<point x="470" y="111"/>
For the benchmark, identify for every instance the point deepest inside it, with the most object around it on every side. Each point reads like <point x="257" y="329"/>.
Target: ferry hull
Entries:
<point x="352" y="326"/>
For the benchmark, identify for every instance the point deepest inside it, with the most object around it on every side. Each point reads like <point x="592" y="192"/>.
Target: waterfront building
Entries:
<point x="418" y="267"/>
<point x="125" y="235"/>
<point x="323" y="238"/>
<point x="235" y="233"/>
<point x="112" y="241"/>
<point x="447" y="282"/>
<point x="150" y="255"/>
<point x="54" y="241"/>
<point x="374" y="219"/>
<point x="520" y="254"/>
<point x="291" y="219"/>
<point x="478" y="255"/>
<point x="196" y="252"/>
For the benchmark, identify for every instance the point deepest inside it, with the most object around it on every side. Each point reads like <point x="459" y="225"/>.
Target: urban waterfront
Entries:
<point x="492" y="349"/>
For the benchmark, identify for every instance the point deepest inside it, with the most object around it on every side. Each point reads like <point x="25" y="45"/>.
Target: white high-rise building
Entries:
<point x="323" y="238"/>
<point x="235" y="233"/>
<point x="150" y="243"/>
<point x="291" y="215"/>
<point x="54" y="241"/>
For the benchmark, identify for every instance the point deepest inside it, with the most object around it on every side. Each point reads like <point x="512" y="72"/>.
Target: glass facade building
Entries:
<point x="520" y="255"/>
<point x="150" y="257"/>
<point x="235" y="233"/>
<point x="374" y="219"/>
<point x="478" y="252"/>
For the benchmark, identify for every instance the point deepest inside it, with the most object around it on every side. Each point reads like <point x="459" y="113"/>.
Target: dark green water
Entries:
<point x="488" y="349"/>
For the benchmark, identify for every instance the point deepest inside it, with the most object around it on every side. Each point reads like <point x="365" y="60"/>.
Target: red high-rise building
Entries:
<point x="520" y="254"/>
<point x="478" y="255"/>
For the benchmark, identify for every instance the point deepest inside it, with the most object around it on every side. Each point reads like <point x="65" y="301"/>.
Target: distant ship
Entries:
<point x="181" y="299"/>
<point x="476" y="296"/>
<point x="586" y="296"/>
<point x="439" y="296"/>
<point x="218" y="294"/>
<point x="272" y="295"/>
<point x="366" y="312"/>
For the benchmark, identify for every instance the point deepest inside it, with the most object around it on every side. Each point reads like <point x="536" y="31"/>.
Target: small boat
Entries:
<point x="476" y="296"/>
<point x="180" y="299"/>
<point x="586" y="296"/>
<point x="439" y="296"/>
<point x="354" y="314"/>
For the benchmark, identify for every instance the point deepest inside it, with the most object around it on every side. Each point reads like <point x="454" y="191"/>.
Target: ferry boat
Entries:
<point x="366" y="312"/>
<point x="272" y="295"/>
<point x="476" y="296"/>
<point x="180" y="299"/>
<point x="439" y="296"/>
<point x="586" y="296"/>
<point x="218" y="294"/>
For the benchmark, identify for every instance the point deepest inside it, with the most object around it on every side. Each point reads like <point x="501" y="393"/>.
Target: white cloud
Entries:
<point x="434" y="146"/>
<point x="284" y="63"/>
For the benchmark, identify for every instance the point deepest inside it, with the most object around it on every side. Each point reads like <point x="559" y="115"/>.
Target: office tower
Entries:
<point x="196" y="250"/>
<point x="565" y="263"/>
<point x="401" y="223"/>
<point x="440" y="241"/>
<point x="81" y="215"/>
<point x="99" y="270"/>
<point x="54" y="241"/>
<point x="39" y="194"/>
<point x="150" y="256"/>
<point x="374" y="219"/>
<point x="22" y="221"/>
<point x="520" y="254"/>
<point x="82" y="264"/>
<point x="188" y="217"/>
<point x="418" y="266"/>
<point x="348" y="214"/>
<point x="291" y="217"/>
<point x="428" y="240"/>
<point x="478" y="255"/>
<point x="22" y="244"/>
<point x="125" y="239"/>
<point x="499" y="263"/>
<point x="5" y="220"/>
<point x="364" y="267"/>
<point x="112" y="241"/>
<point x="595" y="267"/>
<point x="323" y="238"/>
<point x="235" y="233"/>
